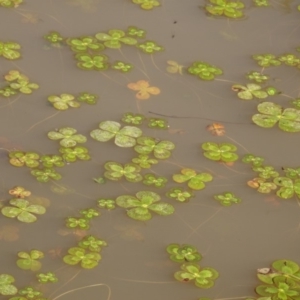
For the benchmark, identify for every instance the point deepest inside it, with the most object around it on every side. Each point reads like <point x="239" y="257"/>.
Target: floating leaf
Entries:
<point x="144" y="89"/>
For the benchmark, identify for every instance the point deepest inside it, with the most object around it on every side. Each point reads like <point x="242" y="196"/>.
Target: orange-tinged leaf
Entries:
<point x="144" y="89"/>
<point x="216" y="129"/>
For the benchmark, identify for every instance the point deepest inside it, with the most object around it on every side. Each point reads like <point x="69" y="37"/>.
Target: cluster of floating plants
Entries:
<point x="88" y="49"/>
<point x="190" y="269"/>
<point x="227" y="8"/>
<point x="280" y="282"/>
<point x="17" y="83"/>
<point x="65" y="101"/>
<point x="269" y="179"/>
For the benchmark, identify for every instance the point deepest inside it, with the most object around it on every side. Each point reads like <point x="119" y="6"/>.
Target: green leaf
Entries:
<point x="286" y="266"/>
<point x="6" y="286"/>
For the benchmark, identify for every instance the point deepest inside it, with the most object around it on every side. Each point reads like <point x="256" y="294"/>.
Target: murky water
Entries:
<point x="234" y="240"/>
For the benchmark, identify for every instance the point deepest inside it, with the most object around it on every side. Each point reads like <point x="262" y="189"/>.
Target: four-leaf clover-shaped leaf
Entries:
<point x="9" y="50"/>
<point x="78" y="255"/>
<point x="29" y="261"/>
<point x="44" y="175"/>
<point x="6" y="286"/>
<point x="24" y="86"/>
<point x="262" y="185"/>
<point x="140" y="207"/>
<point x="144" y="161"/>
<point x="288" y="187"/>
<point x="46" y="277"/>
<point x="183" y="253"/>
<point x="157" y="181"/>
<point x="124" y="137"/>
<point x="160" y="149"/>
<point x="147" y="4"/>
<point x="220" y="152"/>
<point x="230" y="9"/>
<point x="92" y="243"/>
<point x="150" y="47"/>
<point x="84" y="43"/>
<point x="71" y="154"/>
<point x="144" y="89"/>
<point x="92" y="62"/>
<point x="180" y="194"/>
<point x="204" y="70"/>
<point x="116" y="171"/>
<point x="22" y="210"/>
<point x="266" y="60"/>
<point x="227" y="199"/>
<point x="249" y="91"/>
<point x="19" y="159"/>
<point x="195" y="181"/>
<point x="204" y="277"/>
<point x="67" y="136"/>
<point x="270" y="113"/>
<point x="115" y="38"/>
<point x="63" y="102"/>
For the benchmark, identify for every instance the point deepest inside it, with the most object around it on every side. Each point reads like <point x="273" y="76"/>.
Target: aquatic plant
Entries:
<point x="116" y="171"/>
<point x="29" y="261"/>
<point x="19" y="192"/>
<point x="157" y="181"/>
<point x="270" y="113"/>
<point x="115" y="38"/>
<point x="121" y="66"/>
<point x="7" y="91"/>
<point x="220" y="152"/>
<point x="84" y="43"/>
<point x="228" y="8"/>
<point x="87" y="98"/>
<point x="289" y="59"/>
<point x="204" y="70"/>
<point x="22" y="210"/>
<point x="160" y="149"/>
<point x="261" y="3"/>
<point x="78" y="255"/>
<point x="266" y="60"/>
<point x="203" y="277"/>
<point x="227" y="199"/>
<point x="144" y="89"/>
<point x="30" y="293"/>
<point x="174" y="67"/>
<point x="135" y="31"/>
<point x="195" y="181"/>
<point x="10" y="3"/>
<point x="292" y="173"/>
<point x="106" y="203"/>
<point x="296" y="103"/>
<point x="253" y="160"/>
<point x="150" y="47"/>
<point x="180" y="194"/>
<point x="6" y="286"/>
<point x="141" y="206"/>
<point x="89" y="213"/>
<point x="9" y="50"/>
<point x="249" y="91"/>
<point x="262" y="185"/>
<point x="288" y="187"/>
<point x="99" y="180"/>
<point x="63" y="102"/>
<point x="147" y="4"/>
<point x="24" y="86"/>
<point x="45" y="174"/>
<point x="265" y="172"/>
<point x="257" y="76"/>
<point x="158" y="123"/>
<point x="183" y="253"/>
<point x="50" y="161"/>
<point x="81" y="223"/>
<point x="92" y="62"/>
<point x="144" y="161"/>
<point x="131" y="118"/>
<point x="67" y="136"/>
<point x="54" y="37"/>
<point x="216" y="129"/>
<point x="72" y="154"/>
<point x="92" y="243"/>
<point x="124" y="137"/>
<point x="46" y="277"/>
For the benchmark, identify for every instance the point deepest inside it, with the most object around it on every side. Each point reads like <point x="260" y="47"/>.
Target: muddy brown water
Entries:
<point x="234" y="240"/>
